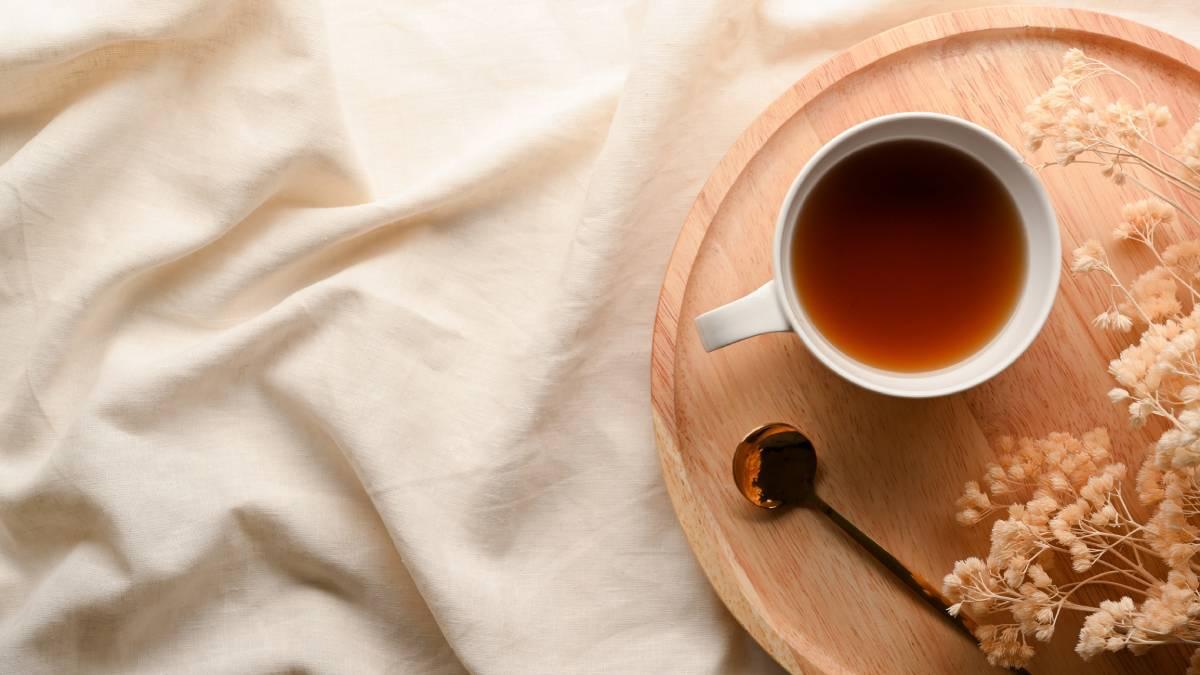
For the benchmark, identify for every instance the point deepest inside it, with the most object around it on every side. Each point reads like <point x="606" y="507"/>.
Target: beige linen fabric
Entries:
<point x="324" y="328"/>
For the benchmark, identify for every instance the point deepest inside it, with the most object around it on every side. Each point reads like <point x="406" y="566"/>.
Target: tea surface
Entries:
<point x="909" y="255"/>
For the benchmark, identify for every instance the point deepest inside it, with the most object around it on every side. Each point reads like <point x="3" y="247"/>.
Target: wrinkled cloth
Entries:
<point x="325" y="327"/>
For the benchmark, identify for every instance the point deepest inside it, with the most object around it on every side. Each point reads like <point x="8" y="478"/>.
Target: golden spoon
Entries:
<point x="776" y="464"/>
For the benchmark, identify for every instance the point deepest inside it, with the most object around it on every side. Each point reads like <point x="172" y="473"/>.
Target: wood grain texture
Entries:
<point x="893" y="466"/>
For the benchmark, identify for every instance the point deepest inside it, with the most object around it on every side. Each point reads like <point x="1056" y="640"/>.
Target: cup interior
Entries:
<point x="1042" y="251"/>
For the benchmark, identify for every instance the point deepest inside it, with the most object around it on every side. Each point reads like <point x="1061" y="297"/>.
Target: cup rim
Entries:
<point x="790" y="304"/>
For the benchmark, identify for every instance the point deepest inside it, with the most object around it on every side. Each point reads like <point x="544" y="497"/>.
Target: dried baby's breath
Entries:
<point x="1140" y="220"/>
<point x="1064" y="497"/>
<point x="1088" y="257"/>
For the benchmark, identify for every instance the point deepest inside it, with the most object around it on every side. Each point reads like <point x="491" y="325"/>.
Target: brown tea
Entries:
<point x="909" y="255"/>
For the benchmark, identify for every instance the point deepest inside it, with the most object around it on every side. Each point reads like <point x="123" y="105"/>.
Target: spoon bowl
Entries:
<point x="774" y="465"/>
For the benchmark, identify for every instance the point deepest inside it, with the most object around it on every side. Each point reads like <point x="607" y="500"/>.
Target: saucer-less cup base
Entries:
<point x="775" y="307"/>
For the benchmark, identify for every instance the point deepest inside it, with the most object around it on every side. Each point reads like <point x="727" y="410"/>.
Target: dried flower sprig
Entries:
<point x="1062" y="498"/>
<point x="1114" y="135"/>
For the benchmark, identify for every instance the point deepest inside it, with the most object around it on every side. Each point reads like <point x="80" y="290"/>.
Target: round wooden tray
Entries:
<point x="893" y="466"/>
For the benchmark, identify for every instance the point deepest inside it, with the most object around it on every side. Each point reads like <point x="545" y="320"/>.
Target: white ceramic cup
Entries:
<point x="776" y="307"/>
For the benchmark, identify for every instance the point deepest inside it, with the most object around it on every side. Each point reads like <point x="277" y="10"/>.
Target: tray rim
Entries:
<point x="706" y="541"/>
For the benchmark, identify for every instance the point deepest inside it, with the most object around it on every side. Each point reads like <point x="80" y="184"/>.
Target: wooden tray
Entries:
<point x="894" y="467"/>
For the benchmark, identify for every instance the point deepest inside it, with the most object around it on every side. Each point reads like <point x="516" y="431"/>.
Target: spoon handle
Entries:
<point x="927" y="592"/>
<point x="963" y="623"/>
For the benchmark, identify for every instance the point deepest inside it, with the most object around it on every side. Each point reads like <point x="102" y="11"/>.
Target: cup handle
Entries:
<point x="753" y="314"/>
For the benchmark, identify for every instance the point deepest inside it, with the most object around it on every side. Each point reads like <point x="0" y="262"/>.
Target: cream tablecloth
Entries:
<point x="324" y="328"/>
